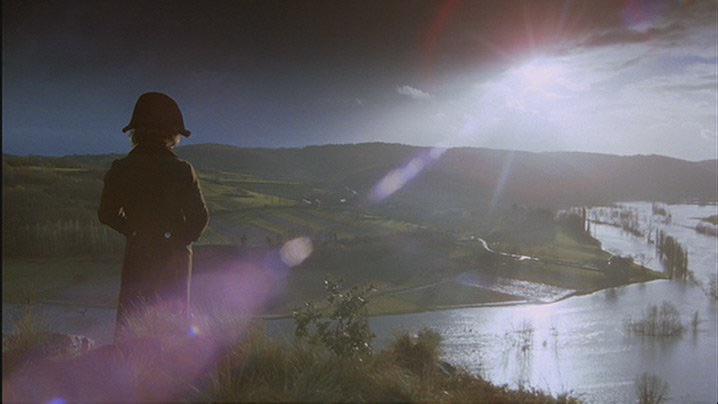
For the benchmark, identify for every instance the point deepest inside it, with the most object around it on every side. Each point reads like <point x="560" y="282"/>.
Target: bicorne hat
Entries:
<point x="157" y="111"/>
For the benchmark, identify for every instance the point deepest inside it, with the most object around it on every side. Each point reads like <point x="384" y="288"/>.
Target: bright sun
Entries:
<point x="540" y="75"/>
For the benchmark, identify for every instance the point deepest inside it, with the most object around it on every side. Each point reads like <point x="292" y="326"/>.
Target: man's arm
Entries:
<point x="111" y="203"/>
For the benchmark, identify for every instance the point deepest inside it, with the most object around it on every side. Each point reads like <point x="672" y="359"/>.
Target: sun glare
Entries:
<point x="540" y="75"/>
<point x="533" y="86"/>
<point x="295" y="251"/>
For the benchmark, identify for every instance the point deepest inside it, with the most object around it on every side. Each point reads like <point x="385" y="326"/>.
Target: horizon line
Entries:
<point x="4" y="154"/>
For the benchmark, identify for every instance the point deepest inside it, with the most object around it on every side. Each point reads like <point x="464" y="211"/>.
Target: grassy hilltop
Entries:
<point x="230" y="359"/>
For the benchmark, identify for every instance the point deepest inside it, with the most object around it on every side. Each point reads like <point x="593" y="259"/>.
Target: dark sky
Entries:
<point x="286" y="73"/>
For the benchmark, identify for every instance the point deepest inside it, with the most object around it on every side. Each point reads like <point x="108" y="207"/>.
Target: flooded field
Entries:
<point x="580" y="344"/>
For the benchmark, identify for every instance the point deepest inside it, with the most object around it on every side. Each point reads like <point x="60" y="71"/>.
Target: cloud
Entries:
<point x="630" y="36"/>
<point x="707" y="86"/>
<point x="630" y="63"/>
<point x="413" y="93"/>
<point x="662" y="24"/>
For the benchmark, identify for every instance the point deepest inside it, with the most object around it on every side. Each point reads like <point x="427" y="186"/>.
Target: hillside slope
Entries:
<point x="473" y="180"/>
<point x="551" y="178"/>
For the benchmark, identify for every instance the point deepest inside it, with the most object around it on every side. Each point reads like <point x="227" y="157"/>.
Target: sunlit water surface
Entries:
<point x="579" y="344"/>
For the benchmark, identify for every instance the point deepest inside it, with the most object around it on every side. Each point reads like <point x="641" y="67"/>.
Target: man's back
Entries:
<point x="156" y="194"/>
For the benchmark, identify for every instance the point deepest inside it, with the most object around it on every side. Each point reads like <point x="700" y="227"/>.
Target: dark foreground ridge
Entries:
<point x="201" y="368"/>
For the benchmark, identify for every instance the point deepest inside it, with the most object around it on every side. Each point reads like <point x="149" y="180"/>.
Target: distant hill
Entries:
<point x="463" y="178"/>
<point x="472" y="181"/>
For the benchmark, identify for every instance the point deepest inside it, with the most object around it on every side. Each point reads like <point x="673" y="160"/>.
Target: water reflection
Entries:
<point x="580" y="344"/>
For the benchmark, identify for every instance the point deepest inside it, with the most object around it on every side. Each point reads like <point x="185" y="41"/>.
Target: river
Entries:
<point x="576" y="345"/>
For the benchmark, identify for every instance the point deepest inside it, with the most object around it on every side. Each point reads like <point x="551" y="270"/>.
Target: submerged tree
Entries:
<point x="651" y="389"/>
<point x="673" y="255"/>
<point x="663" y="321"/>
<point x="576" y="222"/>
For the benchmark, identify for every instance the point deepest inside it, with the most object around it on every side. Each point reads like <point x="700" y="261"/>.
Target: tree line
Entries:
<point x="673" y="255"/>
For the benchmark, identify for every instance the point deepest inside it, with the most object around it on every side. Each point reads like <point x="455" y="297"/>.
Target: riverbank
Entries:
<point x="82" y="284"/>
<point x="508" y="303"/>
<point x="110" y="309"/>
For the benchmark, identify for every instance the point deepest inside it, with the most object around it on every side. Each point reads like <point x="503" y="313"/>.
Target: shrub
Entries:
<point x="657" y="322"/>
<point x="420" y="354"/>
<point x="259" y="369"/>
<point x="651" y="389"/>
<point x="343" y="327"/>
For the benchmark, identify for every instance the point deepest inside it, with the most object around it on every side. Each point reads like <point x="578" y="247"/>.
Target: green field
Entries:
<point x="82" y="281"/>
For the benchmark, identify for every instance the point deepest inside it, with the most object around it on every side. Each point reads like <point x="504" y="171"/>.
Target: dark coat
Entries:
<point x="154" y="199"/>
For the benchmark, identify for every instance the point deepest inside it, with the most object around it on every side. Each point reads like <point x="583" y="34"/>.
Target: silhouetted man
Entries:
<point x="154" y="199"/>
